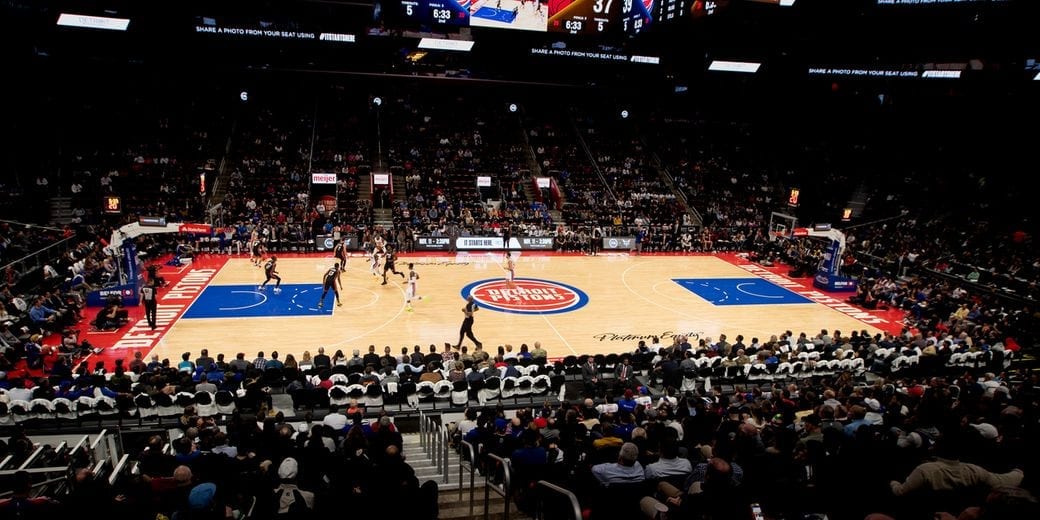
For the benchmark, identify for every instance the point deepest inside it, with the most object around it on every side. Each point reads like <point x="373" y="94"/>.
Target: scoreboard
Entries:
<point x="578" y="17"/>
<point x="584" y="16"/>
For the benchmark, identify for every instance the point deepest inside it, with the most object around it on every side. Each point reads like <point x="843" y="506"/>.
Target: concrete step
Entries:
<point x="450" y="506"/>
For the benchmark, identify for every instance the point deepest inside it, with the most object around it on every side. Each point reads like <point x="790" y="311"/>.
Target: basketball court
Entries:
<point x="571" y="304"/>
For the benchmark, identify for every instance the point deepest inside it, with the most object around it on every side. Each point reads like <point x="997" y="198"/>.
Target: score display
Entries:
<point x="638" y="15"/>
<point x="579" y="17"/>
<point x="583" y="16"/>
<point x="436" y="12"/>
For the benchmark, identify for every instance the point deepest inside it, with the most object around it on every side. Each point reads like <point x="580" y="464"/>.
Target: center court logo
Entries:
<point x="527" y="296"/>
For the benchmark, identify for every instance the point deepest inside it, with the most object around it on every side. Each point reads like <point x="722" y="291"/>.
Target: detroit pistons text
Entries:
<point x="547" y="294"/>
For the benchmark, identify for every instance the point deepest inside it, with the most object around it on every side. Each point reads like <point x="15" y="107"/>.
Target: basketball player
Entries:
<point x="413" y="287"/>
<point x="510" y="271"/>
<point x="272" y="274"/>
<point x="256" y="250"/>
<point x="340" y="254"/>
<point x="467" y="323"/>
<point x="378" y="249"/>
<point x="330" y="282"/>
<point x="376" y="252"/>
<point x="388" y="265"/>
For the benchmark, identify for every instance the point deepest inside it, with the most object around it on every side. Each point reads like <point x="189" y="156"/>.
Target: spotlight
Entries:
<point x="624" y="114"/>
<point x="244" y="96"/>
<point x="512" y="107"/>
<point x="377" y="101"/>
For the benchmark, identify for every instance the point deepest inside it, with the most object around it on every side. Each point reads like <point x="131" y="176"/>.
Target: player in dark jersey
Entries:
<point x="256" y="252"/>
<point x="271" y="273"/>
<point x="341" y="254"/>
<point x="330" y="283"/>
<point x="466" y="330"/>
<point x="388" y="265"/>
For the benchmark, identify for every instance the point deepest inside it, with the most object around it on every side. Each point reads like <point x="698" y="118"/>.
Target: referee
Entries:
<point x="467" y="324"/>
<point x="149" y="295"/>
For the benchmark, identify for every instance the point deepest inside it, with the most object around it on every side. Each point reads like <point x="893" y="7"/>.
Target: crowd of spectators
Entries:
<point x="254" y="465"/>
<point x="793" y="449"/>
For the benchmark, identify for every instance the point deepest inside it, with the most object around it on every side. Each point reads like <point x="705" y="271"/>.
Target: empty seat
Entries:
<point x="145" y="406"/>
<point x="373" y="395"/>
<point x="225" y="401"/>
<point x="338" y="395"/>
<point x="64" y="408"/>
<point x="205" y="404"/>
<point x="459" y="393"/>
<point x="41" y="409"/>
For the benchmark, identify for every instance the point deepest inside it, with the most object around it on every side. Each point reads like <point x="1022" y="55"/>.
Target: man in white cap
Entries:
<point x="292" y="499"/>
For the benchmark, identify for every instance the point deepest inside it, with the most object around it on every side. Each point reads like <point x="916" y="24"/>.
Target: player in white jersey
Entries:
<point x="411" y="291"/>
<point x="374" y="260"/>
<point x="510" y="270"/>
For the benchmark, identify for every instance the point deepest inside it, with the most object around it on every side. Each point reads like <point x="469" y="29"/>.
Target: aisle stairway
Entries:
<point x="453" y="503"/>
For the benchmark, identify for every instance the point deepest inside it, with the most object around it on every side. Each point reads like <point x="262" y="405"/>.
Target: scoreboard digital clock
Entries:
<point x="448" y="12"/>
<point x="584" y="16"/>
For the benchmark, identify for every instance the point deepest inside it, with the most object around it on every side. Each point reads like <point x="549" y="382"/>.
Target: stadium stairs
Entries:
<point x="432" y="458"/>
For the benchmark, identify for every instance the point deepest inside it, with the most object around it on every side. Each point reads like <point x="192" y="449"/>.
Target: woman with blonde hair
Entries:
<point x="306" y="362"/>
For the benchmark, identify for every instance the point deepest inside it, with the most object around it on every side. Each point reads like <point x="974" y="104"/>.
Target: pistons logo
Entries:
<point x="526" y="296"/>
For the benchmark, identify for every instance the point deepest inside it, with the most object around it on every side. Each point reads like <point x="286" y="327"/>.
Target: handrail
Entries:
<point x="96" y="470"/>
<point x="31" y="458"/>
<point x="97" y="441"/>
<point x="34" y="471"/>
<point x="42" y="483"/>
<point x="119" y="468"/>
<point x="591" y="157"/>
<point x="38" y="252"/>
<point x="446" y="440"/>
<point x="575" y="506"/>
<point x="468" y="463"/>
<point x="436" y="445"/>
<point x="505" y="490"/>
<point x="79" y="445"/>
<point x="7" y="460"/>
<point x="422" y="431"/>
